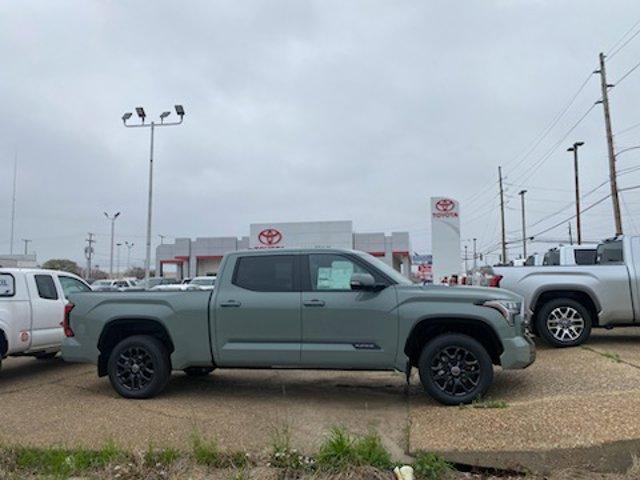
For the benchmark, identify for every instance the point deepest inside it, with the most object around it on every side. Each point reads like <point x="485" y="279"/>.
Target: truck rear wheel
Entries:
<point x="139" y="367"/>
<point x="563" y="322"/>
<point x="455" y="369"/>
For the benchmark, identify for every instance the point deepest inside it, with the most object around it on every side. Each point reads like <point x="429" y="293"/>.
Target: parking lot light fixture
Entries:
<point x="140" y="112"/>
<point x="126" y="116"/>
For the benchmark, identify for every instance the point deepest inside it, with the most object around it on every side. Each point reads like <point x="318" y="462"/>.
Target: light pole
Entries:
<point x="574" y="149"/>
<point x="112" y="219"/>
<point x="140" y="112"/>
<point x="119" y="244"/>
<point x="524" y="226"/>
<point x="129" y="247"/>
<point x="26" y="245"/>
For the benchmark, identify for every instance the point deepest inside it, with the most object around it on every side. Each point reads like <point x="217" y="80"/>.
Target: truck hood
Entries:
<point x="462" y="294"/>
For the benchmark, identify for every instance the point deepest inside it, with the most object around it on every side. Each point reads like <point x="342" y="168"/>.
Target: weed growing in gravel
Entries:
<point x="612" y="356"/>
<point x="206" y="452"/>
<point x="282" y="455"/>
<point x="341" y="451"/>
<point x="429" y="466"/>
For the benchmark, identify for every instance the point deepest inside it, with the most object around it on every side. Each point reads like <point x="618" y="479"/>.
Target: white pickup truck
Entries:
<point x="565" y="301"/>
<point x="32" y="307"/>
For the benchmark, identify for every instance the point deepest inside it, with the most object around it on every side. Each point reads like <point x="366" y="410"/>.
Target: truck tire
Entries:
<point x="139" y="367"/>
<point x="563" y="322"/>
<point x="455" y="369"/>
<point x="198" y="371"/>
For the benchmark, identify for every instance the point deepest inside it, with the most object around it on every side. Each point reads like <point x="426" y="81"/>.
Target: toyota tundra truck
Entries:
<point x="565" y="302"/>
<point x="297" y="308"/>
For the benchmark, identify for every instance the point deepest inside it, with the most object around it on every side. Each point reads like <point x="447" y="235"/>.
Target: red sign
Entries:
<point x="445" y="205"/>
<point x="444" y="208"/>
<point x="269" y="237"/>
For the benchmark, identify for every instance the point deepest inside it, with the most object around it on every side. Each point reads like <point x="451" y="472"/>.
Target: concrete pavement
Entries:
<point x="572" y="407"/>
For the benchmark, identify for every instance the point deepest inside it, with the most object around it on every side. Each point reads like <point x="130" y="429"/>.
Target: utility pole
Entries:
<point x="611" y="149"/>
<point x="112" y="219"/>
<point x="13" y="202"/>
<point x="88" y="253"/>
<point x="466" y="268"/>
<point x="475" y="254"/>
<point x="26" y="245"/>
<point x="574" y="149"/>
<point x="570" y="235"/>
<point x="524" y="225"/>
<point x="504" y="238"/>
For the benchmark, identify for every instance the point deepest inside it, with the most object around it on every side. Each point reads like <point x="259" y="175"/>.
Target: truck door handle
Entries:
<point x="230" y="303"/>
<point x="314" y="303"/>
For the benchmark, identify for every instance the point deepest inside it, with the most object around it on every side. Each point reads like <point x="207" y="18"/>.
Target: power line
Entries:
<point x="629" y="72"/>
<point x="615" y="52"/>
<point x="628" y="129"/>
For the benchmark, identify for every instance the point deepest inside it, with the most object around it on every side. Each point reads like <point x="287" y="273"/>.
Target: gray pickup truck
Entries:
<point x="565" y="302"/>
<point x="296" y="308"/>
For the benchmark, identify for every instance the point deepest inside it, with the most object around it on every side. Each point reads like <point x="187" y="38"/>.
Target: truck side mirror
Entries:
<point x="362" y="281"/>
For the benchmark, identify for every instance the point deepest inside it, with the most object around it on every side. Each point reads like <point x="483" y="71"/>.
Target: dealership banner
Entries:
<point x="445" y="237"/>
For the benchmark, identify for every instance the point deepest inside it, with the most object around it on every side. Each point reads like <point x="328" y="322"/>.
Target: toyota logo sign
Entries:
<point x="445" y="205"/>
<point x="269" y="237"/>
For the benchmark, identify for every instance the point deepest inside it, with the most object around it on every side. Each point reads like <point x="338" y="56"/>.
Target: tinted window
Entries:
<point x="552" y="257"/>
<point x="332" y="272"/>
<point x="531" y="261"/>
<point x="585" y="257"/>
<point x="266" y="273"/>
<point x="610" y="252"/>
<point x="46" y="287"/>
<point x="72" y="285"/>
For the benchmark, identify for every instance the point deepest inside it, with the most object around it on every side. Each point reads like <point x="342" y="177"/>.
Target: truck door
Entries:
<point x="343" y="328"/>
<point x="257" y="312"/>
<point x="47" y="311"/>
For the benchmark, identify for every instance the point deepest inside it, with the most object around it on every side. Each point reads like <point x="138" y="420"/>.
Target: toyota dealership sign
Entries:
<point x="445" y="237"/>
<point x="301" y="235"/>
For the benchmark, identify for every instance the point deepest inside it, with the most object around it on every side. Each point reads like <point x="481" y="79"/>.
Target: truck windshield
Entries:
<point x="386" y="269"/>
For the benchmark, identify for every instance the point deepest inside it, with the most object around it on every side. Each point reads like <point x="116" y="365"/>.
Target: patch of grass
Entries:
<point x="488" y="403"/>
<point x="163" y="456"/>
<point x="429" y="466"/>
<point x="61" y="462"/>
<point x="342" y="451"/>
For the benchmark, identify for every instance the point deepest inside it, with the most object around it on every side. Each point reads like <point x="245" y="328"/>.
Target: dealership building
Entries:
<point x="202" y="256"/>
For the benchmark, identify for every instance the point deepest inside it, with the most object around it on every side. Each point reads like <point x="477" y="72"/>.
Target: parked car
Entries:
<point x="32" y="306"/>
<point x="565" y="302"/>
<point x="143" y="284"/>
<point x="208" y="282"/>
<point x="316" y="309"/>
<point x="113" y="285"/>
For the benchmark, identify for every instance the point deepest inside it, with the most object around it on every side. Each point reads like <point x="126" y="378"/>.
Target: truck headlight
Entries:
<point x="507" y="308"/>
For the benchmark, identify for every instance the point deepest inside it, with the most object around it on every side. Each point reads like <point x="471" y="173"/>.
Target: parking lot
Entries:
<point x="559" y="412"/>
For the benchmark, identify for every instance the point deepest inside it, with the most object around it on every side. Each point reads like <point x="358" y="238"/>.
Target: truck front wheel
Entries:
<point x="455" y="369"/>
<point x="139" y="367"/>
<point x="563" y="322"/>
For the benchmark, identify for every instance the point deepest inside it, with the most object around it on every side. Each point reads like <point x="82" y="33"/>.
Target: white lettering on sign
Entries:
<point x="7" y="285"/>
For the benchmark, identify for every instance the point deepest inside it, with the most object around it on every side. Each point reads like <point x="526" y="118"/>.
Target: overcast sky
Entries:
<point x="306" y="110"/>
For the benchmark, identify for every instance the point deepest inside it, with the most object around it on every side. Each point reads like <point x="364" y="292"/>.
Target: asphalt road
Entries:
<point x="569" y="402"/>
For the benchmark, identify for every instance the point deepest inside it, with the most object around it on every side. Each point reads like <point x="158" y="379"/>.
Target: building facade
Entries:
<point x="202" y="256"/>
